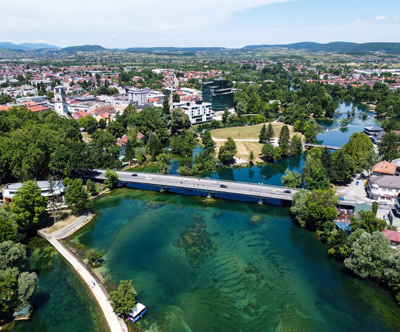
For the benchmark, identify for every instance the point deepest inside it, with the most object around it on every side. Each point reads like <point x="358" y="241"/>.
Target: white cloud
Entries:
<point x="384" y="18"/>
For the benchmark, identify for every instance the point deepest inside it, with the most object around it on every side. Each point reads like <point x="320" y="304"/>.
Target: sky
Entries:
<point x="203" y="23"/>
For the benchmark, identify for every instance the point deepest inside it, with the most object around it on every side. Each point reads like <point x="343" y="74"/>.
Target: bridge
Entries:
<point x="206" y="187"/>
<point x="308" y="145"/>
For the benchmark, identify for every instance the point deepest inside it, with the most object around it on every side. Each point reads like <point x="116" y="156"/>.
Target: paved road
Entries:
<point x="71" y="228"/>
<point x="208" y="185"/>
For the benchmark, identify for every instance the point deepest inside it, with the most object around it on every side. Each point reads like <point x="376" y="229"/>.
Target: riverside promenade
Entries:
<point x="115" y="323"/>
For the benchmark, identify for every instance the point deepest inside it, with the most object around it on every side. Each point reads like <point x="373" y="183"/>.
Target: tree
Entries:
<point x="91" y="187"/>
<point x="129" y="149"/>
<point x="270" y="133"/>
<point x="299" y="208"/>
<point x="371" y="158"/>
<point x="277" y="153"/>
<point x="310" y="133"/>
<point x="124" y="298"/>
<point x="179" y="120"/>
<point x="317" y="179"/>
<point x="176" y="98"/>
<point x="29" y="206"/>
<point x="296" y="145"/>
<point x="284" y="135"/>
<point x="102" y="123"/>
<point x="163" y="163"/>
<point x="267" y="152"/>
<point x="251" y="158"/>
<point x="27" y="284"/>
<point x="375" y="207"/>
<point x="343" y="167"/>
<point x="116" y="129"/>
<point x="240" y="108"/>
<point x="140" y="154"/>
<point x="225" y="116"/>
<point x="76" y="194"/>
<point x="155" y="147"/>
<point x="321" y="207"/>
<point x="388" y="146"/>
<point x="112" y="178"/>
<point x="368" y="255"/>
<point x="330" y="110"/>
<point x="93" y="256"/>
<point x="357" y="147"/>
<point x="368" y="221"/>
<point x="263" y="133"/>
<point x="227" y="152"/>
<point x="8" y="226"/>
<point x="292" y="179"/>
<point x="166" y="107"/>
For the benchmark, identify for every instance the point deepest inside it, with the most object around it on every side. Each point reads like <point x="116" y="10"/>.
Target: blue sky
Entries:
<point x="228" y="23"/>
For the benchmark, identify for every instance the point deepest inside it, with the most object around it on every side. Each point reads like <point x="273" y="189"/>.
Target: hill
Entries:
<point x="166" y="50"/>
<point x="25" y="46"/>
<point x="84" y="48"/>
<point x="337" y="47"/>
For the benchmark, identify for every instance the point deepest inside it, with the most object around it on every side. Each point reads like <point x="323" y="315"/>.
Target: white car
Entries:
<point x="275" y="192"/>
<point x="147" y="178"/>
<point x="217" y="182"/>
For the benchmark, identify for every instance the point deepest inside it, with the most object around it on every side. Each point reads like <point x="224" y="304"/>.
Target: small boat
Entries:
<point x="137" y="312"/>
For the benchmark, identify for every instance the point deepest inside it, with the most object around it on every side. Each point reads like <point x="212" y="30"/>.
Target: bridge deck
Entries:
<point x="207" y="185"/>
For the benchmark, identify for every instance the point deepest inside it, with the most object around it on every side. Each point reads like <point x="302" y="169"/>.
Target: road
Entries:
<point x="208" y="185"/>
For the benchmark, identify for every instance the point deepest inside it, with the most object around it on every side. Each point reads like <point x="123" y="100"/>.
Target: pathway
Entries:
<point x="115" y="323"/>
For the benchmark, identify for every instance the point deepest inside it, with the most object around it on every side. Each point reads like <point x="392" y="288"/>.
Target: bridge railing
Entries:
<point x="213" y="179"/>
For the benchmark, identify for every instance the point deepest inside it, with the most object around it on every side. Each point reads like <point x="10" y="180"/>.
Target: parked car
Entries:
<point x="134" y="174"/>
<point x="223" y="186"/>
<point x="357" y="183"/>
<point x="341" y="199"/>
<point x="287" y="191"/>
<point x="382" y="203"/>
<point x="276" y="192"/>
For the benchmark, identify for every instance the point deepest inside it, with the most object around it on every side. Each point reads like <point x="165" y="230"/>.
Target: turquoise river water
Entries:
<point x="218" y="265"/>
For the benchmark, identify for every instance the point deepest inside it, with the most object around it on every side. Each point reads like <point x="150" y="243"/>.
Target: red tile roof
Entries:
<point x="38" y="108"/>
<point x="139" y="135"/>
<point x="392" y="235"/>
<point x="384" y="167"/>
<point x="122" y="141"/>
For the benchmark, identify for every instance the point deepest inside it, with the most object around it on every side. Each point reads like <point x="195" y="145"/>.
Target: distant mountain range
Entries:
<point x="339" y="47"/>
<point x="25" y="46"/>
<point x="336" y="47"/>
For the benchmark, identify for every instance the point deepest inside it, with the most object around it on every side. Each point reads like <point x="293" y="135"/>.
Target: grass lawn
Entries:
<point x="244" y="149"/>
<point x="249" y="132"/>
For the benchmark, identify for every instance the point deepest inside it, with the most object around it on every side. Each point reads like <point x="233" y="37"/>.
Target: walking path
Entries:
<point x="115" y="323"/>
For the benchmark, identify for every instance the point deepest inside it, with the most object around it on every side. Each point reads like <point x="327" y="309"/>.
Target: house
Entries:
<point x="121" y="142"/>
<point x="79" y="114"/>
<point x="141" y="137"/>
<point x="385" y="187"/>
<point x="377" y="137"/>
<point x="371" y="130"/>
<point x="393" y="236"/>
<point x="384" y="168"/>
<point x="104" y="116"/>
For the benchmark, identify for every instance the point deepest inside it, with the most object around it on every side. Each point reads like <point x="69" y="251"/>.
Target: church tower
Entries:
<point x="60" y="102"/>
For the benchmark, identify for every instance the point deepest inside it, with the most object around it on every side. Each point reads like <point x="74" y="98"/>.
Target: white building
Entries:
<point x="198" y="111"/>
<point x="384" y="187"/>
<point x="60" y="103"/>
<point x="10" y="190"/>
<point x="140" y="96"/>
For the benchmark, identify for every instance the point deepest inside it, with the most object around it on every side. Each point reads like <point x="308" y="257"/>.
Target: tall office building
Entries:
<point x="219" y="94"/>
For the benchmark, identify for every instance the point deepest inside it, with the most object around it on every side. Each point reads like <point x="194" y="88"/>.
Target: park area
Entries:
<point x="244" y="148"/>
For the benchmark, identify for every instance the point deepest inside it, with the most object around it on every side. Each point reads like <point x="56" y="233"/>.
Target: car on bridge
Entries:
<point x="218" y="182"/>
<point x="134" y="174"/>
<point x="287" y="191"/>
<point x="276" y="192"/>
<point x="223" y="186"/>
<point x="147" y="178"/>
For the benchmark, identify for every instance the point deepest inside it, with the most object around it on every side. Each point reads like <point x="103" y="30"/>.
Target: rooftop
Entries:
<point x="385" y="167"/>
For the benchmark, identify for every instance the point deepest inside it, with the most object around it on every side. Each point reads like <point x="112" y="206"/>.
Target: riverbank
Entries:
<point x="115" y="323"/>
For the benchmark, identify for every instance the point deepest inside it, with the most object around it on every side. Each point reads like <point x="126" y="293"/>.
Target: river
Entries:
<point x="217" y="265"/>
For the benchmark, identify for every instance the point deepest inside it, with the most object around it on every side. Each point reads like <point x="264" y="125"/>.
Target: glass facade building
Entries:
<point x="219" y="94"/>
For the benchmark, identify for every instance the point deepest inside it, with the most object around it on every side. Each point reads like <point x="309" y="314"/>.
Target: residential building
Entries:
<point x="385" y="187"/>
<point x="10" y="190"/>
<point x="219" y="94"/>
<point x="121" y="142"/>
<point x="384" y="168"/>
<point x="198" y="111"/>
<point x="393" y="236"/>
<point x="141" y="137"/>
